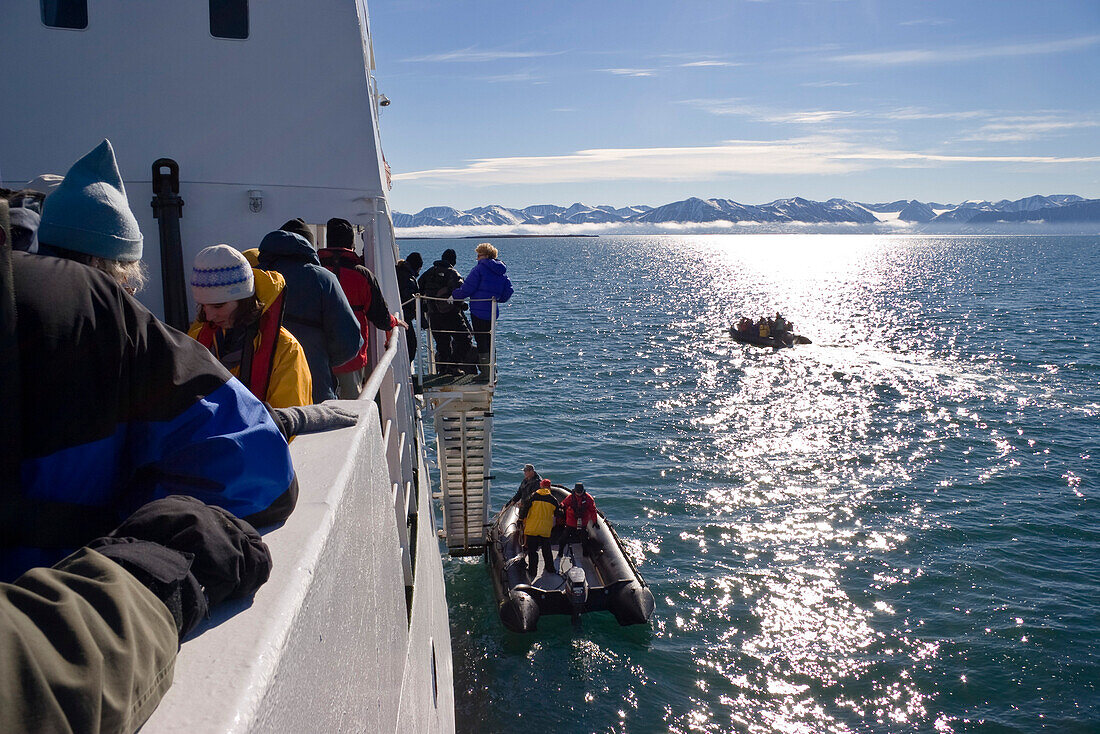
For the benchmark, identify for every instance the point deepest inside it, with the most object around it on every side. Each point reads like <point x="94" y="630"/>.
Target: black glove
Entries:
<point x="165" y="572"/>
<point x="314" y="419"/>
<point x="231" y="560"/>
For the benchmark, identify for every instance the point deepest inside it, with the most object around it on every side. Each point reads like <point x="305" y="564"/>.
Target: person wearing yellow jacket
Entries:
<point x="537" y="512"/>
<point x="240" y="322"/>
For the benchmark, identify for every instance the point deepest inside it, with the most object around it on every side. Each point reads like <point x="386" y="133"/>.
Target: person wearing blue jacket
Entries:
<point x="316" y="311"/>
<point x="106" y="408"/>
<point x="488" y="280"/>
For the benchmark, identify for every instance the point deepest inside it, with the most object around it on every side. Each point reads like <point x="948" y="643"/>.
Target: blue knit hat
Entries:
<point x="89" y="211"/>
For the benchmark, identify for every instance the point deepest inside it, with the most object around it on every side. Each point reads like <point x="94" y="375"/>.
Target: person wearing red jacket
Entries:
<point x="580" y="511"/>
<point x="365" y="297"/>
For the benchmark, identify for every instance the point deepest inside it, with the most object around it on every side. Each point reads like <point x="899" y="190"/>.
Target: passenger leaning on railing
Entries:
<point x="115" y="408"/>
<point x="240" y="321"/>
<point x="107" y="410"/>
<point x="488" y="280"/>
<point x="90" y="644"/>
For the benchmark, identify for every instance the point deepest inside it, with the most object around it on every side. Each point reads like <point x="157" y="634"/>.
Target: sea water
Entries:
<point x="893" y="529"/>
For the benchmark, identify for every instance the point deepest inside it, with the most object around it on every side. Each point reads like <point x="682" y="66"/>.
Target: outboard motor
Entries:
<point x="576" y="588"/>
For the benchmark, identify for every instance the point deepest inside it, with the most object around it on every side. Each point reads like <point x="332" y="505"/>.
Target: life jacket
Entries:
<point x="257" y="362"/>
<point x="579" y="508"/>
<point x="342" y="262"/>
<point x="765" y="329"/>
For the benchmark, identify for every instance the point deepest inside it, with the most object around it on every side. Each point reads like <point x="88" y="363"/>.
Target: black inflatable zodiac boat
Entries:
<point x="595" y="575"/>
<point x="787" y="340"/>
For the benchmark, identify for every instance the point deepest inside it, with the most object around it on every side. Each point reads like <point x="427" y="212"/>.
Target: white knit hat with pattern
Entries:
<point x="221" y="274"/>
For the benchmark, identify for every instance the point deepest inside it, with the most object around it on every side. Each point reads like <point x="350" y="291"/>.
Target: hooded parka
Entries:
<point x="317" y="312"/>
<point x="116" y="410"/>
<point x="488" y="279"/>
<point x="285" y="366"/>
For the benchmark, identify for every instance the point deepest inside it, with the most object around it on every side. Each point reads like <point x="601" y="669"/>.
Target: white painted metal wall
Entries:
<point x="290" y="111"/>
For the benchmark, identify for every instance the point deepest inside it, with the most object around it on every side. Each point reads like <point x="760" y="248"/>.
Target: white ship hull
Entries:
<point x="351" y="632"/>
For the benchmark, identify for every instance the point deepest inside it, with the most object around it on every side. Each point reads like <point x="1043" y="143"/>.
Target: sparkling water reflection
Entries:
<point x="893" y="529"/>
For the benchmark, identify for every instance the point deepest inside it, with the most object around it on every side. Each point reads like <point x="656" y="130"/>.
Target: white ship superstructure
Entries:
<point x="271" y="111"/>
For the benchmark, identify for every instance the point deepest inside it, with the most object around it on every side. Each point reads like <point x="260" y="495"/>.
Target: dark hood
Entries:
<point x="279" y="245"/>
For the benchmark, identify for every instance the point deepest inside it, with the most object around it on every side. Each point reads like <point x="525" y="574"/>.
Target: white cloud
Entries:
<point x="631" y="72"/>
<point x="967" y="53"/>
<point x="519" y="76"/>
<point x="825" y="85"/>
<point x="476" y="55"/>
<point x="810" y="117"/>
<point x="698" y="64"/>
<point x="999" y="126"/>
<point x="796" y="156"/>
<point x="766" y="114"/>
<point x="1017" y="129"/>
<point x="918" y="113"/>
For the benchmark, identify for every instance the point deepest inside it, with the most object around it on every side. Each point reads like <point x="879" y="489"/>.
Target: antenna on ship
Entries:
<point x="461" y="396"/>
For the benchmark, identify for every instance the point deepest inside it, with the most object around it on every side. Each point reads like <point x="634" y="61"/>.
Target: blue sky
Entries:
<point x="644" y="102"/>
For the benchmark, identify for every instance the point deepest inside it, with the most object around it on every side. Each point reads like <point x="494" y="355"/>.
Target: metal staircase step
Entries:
<point x="464" y="450"/>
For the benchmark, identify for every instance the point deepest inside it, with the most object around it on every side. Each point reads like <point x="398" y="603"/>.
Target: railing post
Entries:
<point x="493" y="343"/>
<point x="168" y="210"/>
<point x="432" y="366"/>
<point x="420" y="361"/>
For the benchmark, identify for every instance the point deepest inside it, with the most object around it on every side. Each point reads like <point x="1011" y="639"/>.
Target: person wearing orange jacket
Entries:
<point x="240" y="322"/>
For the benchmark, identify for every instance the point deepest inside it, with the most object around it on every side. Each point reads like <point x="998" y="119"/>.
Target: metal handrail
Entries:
<point x="429" y="351"/>
<point x="378" y="374"/>
<point x="455" y="300"/>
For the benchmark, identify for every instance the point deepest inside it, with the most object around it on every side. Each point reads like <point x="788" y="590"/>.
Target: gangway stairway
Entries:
<point x="462" y="406"/>
<point x="464" y="430"/>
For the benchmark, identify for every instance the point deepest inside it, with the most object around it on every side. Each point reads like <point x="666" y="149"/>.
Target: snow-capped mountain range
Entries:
<point x="1060" y="208"/>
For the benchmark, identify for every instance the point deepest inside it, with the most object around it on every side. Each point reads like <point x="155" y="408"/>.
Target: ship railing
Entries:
<point x="396" y="439"/>
<point x="428" y="362"/>
<point x="390" y="386"/>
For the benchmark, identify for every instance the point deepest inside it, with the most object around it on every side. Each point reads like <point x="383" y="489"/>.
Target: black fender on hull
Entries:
<point x="520" y="612"/>
<point x="631" y="604"/>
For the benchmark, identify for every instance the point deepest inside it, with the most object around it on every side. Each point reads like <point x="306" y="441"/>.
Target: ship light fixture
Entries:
<point x="255" y="201"/>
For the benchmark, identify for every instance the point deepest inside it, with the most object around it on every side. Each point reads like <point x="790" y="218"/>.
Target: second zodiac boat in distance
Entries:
<point x="600" y="576"/>
<point x="776" y="342"/>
